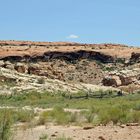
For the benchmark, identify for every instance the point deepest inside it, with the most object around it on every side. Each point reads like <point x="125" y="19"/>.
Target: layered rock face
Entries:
<point x="77" y="55"/>
<point x="100" y="64"/>
<point x="68" y="56"/>
<point x="33" y="51"/>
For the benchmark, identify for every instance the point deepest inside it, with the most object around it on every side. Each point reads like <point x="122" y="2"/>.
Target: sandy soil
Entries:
<point x="79" y="133"/>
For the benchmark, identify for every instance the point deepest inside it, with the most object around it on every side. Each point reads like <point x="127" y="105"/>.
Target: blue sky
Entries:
<point x="87" y="21"/>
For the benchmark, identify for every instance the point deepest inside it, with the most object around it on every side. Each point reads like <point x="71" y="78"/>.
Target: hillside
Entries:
<point x="112" y="65"/>
<point x="63" y="90"/>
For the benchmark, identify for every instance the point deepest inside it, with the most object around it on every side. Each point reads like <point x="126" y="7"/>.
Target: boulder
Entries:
<point x="119" y="80"/>
<point x="126" y="80"/>
<point x="20" y="68"/>
<point x="2" y="63"/>
<point x="112" y="81"/>
<point x="135" y="58"/>
<point x="9" y="65"/>
<point x="34" y="69"/>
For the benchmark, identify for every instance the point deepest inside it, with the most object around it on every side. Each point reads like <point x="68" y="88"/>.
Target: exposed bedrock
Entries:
<point x="135" y="58"/>
<point x="69" y="56"/>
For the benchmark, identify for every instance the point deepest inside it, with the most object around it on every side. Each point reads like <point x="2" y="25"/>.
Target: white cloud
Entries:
<point x="72" y="36"/>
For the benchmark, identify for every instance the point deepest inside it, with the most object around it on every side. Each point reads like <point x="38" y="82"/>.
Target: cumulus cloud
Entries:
<point x="72" y="36"/>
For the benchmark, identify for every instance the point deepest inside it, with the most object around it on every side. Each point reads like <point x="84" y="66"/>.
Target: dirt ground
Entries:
<point x="79" y="133"/>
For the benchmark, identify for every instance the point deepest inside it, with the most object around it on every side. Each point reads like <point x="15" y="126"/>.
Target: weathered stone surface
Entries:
<point x="122" y="78"/>
<point x="9" y="65"/>
<point x="2" y="63"/>
<point x="82" y="54"/>
<point x="135" y="58"/>
<point x="69" y="56"/>
<point x="126" y="80"/>
<point x="112" y="81"/>
<point x="25" y="82"/>
<point x="21" y="68"/>
<point x="34" y="69"/>
<point x="8" y="79"/>
<point x="73" y="62"/>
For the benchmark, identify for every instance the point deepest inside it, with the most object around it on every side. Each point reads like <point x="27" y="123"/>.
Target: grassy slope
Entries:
<point x="47" y="100"/>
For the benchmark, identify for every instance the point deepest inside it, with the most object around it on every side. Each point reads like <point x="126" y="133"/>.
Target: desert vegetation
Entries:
<point x="8" y="120"/>
<point x="101" y="105"/>
<point x="67" y="85"/>
<point x="61" y="110"/>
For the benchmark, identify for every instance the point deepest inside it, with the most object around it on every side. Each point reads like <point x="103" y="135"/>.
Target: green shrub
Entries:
<point x="133" y="117"/>
<point x="6" y="122"/>
<point x="137" y="107"/>
<point x="112" y="114"/>
<point x="57" y="115"/>
<point x="73" y="117"/>
<point x="24" y="115"/>
<point x="89" y="116"/>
